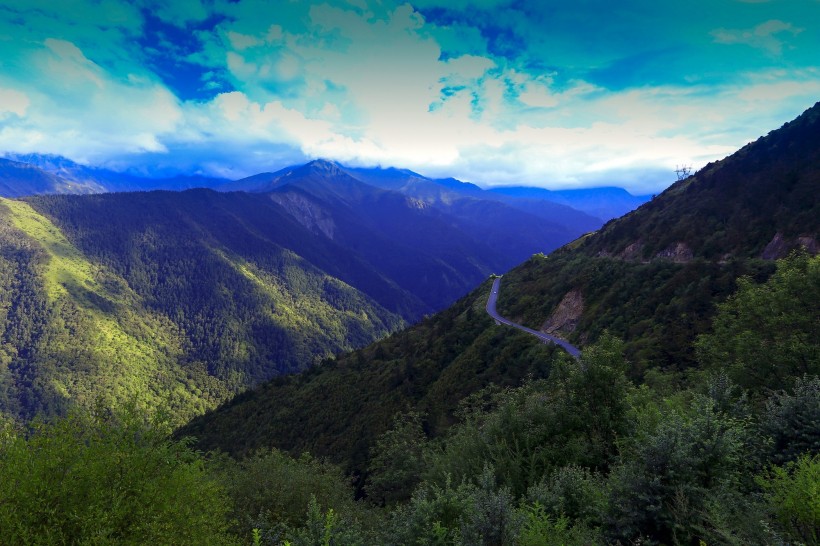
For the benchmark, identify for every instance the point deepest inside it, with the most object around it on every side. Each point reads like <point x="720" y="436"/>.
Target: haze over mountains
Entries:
<point x="28" y="171"/>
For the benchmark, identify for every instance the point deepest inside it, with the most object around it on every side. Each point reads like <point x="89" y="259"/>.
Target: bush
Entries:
<point x="271" y="492"/>
<point x="792" y="421"/>
<point x="668" y="475"/>
<point x="793" y="492"/>
<point x="106" y="480"/>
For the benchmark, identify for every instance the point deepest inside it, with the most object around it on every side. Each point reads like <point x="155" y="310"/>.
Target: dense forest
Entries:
<point x="165" y="294"/>
<point x="582" y="455"/>
<point x="691" y="417"/>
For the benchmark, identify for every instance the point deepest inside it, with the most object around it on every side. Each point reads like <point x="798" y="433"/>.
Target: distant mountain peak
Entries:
<point x="324" y="166"/>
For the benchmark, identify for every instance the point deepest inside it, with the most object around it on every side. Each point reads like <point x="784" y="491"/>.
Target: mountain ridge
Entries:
<point x="658" y="306"/>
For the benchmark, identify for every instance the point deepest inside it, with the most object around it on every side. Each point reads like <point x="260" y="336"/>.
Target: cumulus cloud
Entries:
<point x="74" y="107"/>
<point x="380" y="82"/>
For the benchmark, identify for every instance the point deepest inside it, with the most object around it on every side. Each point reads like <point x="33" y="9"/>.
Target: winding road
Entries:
<point x="546" y="338"/>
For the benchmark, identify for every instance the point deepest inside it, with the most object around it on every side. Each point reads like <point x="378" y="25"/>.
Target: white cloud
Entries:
<point x="13" y="102"/>
<point x="76" y="108"/>
<point x="368" y="83"/>
<point x="538" y="96"/>
<point x="68" y="64"/>
<point x="242" y="41"/>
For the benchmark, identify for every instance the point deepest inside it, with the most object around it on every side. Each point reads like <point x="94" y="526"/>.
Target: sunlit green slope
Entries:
<point x="177" y="319"/>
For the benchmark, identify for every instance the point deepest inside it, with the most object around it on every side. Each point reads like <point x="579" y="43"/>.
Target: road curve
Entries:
<point x="571" y="349"/>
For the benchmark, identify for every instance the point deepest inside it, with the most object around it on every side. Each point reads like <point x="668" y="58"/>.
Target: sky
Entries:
<point x="497" y="92"/>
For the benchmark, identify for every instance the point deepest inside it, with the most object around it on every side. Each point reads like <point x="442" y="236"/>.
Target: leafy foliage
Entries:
<point x="793" y="493"/>
<point x="396" y="461"/>
<point x="530" y="431"/>
<point x="427" y="368"/>
<point x="272" y="492"/>
<point x="662" y="487"/>
<point x="765" y="335"/>
<point x="791" y="421"/>
<point x="96" y="479"/>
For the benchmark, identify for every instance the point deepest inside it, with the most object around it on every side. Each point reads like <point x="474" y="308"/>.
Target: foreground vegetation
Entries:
<point x="728" y="454"/>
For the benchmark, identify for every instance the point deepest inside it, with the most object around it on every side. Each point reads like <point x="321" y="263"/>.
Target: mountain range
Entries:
<point x="321" y="335"/>
<point x="66" y="176"/>
<point x="198" y="294"/>
<point x="653" y="278"/>
<point x="74" y="178"/>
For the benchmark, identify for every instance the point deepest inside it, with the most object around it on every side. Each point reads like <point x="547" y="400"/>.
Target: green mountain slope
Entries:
<point x="335" y="410"/>
<point x="653" y="276"/>
<point x="657" y="304"/>
<point x="173" y="297"/>
<point x="760" y="202"/>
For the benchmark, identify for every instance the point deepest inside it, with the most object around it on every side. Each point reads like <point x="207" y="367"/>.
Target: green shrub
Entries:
<point x="91" y="479"/>
<point x="793" y="493"/>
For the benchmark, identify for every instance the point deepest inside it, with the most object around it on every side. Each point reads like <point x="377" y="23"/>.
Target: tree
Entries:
<point x="793" y="492"/>
<point x="673" y="475"/>
<point x="765" y="335"/>
<point x="111" y="479"/>
<point x="397" y="463"/>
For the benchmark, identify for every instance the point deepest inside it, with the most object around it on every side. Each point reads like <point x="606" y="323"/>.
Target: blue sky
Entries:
<point x="555" y="94"/>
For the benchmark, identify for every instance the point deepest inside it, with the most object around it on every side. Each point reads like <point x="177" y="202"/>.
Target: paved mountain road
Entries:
<point x="546" y="338"/>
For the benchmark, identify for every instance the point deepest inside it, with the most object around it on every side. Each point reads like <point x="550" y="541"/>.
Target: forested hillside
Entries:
<point x="171" y="296"/>
<point x="713" y="346"/>
<point x="652" y="277"/>
<point x="421" y="249"/>
<point x="760" y="202"/>
<point x="429" y="367"/>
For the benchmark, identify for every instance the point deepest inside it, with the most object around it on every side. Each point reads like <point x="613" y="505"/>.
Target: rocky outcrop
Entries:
<point x="809" y="244"/>
<point x="679" y="253"/>
<point x="565" y="317"/>
<point x="306" y="212"/>
<point x="780" y="246"/>
<point x="632" y="251"/>
<point x="776" y="248"/>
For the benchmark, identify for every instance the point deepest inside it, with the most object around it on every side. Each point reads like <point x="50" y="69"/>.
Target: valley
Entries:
<point x="347" y="330"/>
<point x="409" y="273"/>
<point x="211" y="292"/>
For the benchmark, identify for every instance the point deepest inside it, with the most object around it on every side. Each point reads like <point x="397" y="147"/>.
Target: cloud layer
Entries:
<point x="496" y="92"/>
